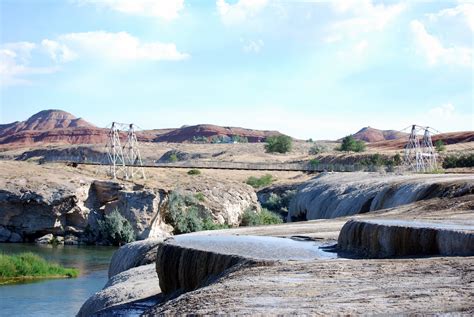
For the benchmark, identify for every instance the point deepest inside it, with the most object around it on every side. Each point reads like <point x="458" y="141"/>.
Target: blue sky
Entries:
<point x="319" y="69"/>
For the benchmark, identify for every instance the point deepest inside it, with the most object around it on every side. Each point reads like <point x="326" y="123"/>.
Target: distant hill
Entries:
<point x="51" y="126"/>
<point x="447" y="138"/>
<point x="207" y="131"/>
<point x="370" y="135"/>
<point x="57" y="126"/>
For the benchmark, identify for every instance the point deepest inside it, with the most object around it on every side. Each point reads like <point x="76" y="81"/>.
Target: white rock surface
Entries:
<point x="132" y="285"/>
<point x="332" y="195"/>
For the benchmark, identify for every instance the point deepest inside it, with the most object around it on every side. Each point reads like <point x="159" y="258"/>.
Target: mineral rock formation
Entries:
<point x="132" y="255"/>
<point x="344" y="194"/>
<point x="134" y="284"/>
<point x="377" y="238"/>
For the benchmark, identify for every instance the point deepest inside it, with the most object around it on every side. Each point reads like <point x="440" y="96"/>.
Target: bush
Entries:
<point x="116" y="229"/>
<point x="263" y="181"/>
<point x="279" y="144"/>
<point x="279" y="203"/>
<point x="185" y="216"/>
<point x="173" y="158"/>
<point x="439" y="145"/>
<point x="453" y="161"/>
<point x="351" y="144"/>
<point x="194" y="172"/>
<point x="264" y="217"/>
<point x="313" y="163"/>
<point x="318" y="149"/>
<point x="199" y="196"/>
<point x="239" y="139"/>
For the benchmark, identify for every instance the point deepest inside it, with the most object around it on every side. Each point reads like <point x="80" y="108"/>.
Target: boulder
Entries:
<point x="144" y="210"/>
<point x="129" y="286"/>
<point x="132" y="255"/>
<point x="46" y="239"/>
<point x="71" y="240"/>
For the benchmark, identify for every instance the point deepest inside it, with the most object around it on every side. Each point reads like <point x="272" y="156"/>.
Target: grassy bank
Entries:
<point x="28" y="265"/>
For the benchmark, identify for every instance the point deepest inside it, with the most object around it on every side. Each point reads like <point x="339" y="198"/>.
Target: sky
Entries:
<point x="308" y="68"/>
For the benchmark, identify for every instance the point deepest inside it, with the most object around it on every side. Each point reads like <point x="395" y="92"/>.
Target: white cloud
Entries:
<point x="433" y="50"/>
<point x="252" y="46"/>
<point x="241" y="11"/>
<point x="14" y="64"/>
<point x="443" y="111"/>
<point x="164" y="9"/>
<point x="58" y="52"/>
<point x="361" y="16"/>
<point x="116" y="46"/>
<point x="465" y="10"/>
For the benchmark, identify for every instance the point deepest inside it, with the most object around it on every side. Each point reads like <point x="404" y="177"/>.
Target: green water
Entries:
<point x="57" y="297"/>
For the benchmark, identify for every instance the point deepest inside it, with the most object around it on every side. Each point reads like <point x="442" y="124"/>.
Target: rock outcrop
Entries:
<point x="132" y="255"/>
<point x="38" y="200"/>
<point x="226" y="202"/>
<point x="332" y="195"/>
<point x="131" y="285"/>
<point x="377" y="238"/>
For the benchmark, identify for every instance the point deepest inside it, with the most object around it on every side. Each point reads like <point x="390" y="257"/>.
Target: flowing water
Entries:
<point x="56" y="297"/>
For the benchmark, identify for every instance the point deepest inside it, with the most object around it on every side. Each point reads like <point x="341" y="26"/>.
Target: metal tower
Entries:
<point x="428" y="151"/>
<point x="420" y="157"/>
<point x="123" y="160"/>
<point x="115" y="158"/>
<point x="132" y="154"/>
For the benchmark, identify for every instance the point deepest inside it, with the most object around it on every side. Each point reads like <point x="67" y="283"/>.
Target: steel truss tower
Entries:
<point x="420" y="156"/>
<point x="124" y="161"/>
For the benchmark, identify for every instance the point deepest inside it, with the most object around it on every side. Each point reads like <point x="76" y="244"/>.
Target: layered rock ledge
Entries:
<point x="332" y="195"/>
<point x="187" y="262"/>
<point x="383" y="238"/>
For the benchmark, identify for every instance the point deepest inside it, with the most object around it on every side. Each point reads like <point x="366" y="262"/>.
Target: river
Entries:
<point x="56" y="297"/>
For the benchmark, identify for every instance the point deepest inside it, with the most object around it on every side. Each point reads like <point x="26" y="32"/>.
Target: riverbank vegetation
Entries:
<point x="28" y="265"/>
<point x="258" y="182"/>
<point x="453" y="161"/>
<point x="264" y="217"/>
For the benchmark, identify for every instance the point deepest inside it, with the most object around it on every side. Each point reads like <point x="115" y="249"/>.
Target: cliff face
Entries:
<point x="43" y="199"/>
<point x="344" y="194"/>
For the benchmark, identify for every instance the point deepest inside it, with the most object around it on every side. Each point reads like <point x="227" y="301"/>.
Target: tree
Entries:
<point x="351" y="144"/>
<point x="279" y="144"/>
<point x="439" y="145"/>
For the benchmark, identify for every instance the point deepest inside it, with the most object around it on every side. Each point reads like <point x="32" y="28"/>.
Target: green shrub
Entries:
<point x="116" y="229"/>
<point x="257" y="182"/>
<point x="439" y="145"/>
<point x="31" y="265"/>
<point x="313" y="163"/>
<point x="351" y="144"/>
<point x="199" y="196"/>
<point x="279" y="144"/>
<point x="208" y="224"/>
<point x="173" y="158"/>
<point x="264" y="217"/>
<point x="185" y="216"/>
<point x="194" y="172"/>
<point x="318" y="149"/>
<point x="453" y="161"/>
<point x="240" y="139"/>
<point x="279" y="203"/>
<point x="397" y="159"/>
